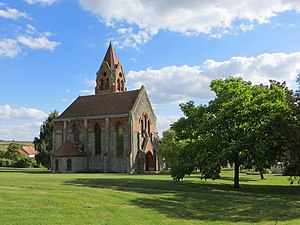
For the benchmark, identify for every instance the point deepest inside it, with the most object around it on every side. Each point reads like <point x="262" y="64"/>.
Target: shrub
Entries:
<point x="5" y="162"/>
<point x="23" y="162"/>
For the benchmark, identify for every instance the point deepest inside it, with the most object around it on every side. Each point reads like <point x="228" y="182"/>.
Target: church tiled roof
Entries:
<point x="68" y="149"/>
<point x="103" y="104"/>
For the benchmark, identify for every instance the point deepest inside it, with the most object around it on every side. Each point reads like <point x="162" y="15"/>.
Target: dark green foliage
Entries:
<point x="13" y="158"/>
<point x="4" y="162"/>
<point x="245" y="124"/>
<point x="2" y="153"/>
<point x="177" y="155"/>
<point x="12" y="152"/>
<point x="292" y="163"/>
<point x="44" y="143"/>
<point x="23" y="162"/>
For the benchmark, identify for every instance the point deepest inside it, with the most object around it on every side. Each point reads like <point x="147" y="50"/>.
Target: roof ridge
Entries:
<point x="112" y="93"/>
<point x="104" y="104"/>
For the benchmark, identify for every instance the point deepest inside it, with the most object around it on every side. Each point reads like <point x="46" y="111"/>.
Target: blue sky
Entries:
<point x="50" y="51"/>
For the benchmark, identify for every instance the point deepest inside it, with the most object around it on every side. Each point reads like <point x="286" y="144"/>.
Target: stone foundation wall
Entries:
<point x="78" y="164"/>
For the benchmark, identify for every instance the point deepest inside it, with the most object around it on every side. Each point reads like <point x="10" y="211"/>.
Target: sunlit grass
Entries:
<point x="34" y="196"/>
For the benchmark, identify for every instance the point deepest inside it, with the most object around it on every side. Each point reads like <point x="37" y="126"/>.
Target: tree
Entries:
<point x="12" y="152"/>
<point x="292" y="160"/>
<point x="23" y="162"/>
<point x="176" y="154"/>
<point x="13" y="157"/>
<point x="44" y="143"/>
<point x="236" y="126"/>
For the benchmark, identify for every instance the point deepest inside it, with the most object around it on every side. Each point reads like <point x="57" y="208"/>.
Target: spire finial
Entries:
<point x="110" y="37"/>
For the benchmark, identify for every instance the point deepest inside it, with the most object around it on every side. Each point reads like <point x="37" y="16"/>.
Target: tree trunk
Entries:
<point x="236" y="175"/>
<point x="261" y="172"/>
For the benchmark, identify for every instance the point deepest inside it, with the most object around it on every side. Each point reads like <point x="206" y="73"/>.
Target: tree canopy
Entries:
<point x="244" y="124"/>
<point x="12" y="152"/>
<point x="44" y="143"/>
<point x="13" y="157"/>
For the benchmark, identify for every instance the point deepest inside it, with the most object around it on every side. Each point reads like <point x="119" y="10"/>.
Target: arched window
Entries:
<point x="69" y="165"/>
<point x="120" y="139"/>
<point x="145" y="126"/>
<point x="138" y="141"/>
<point x="149" y="127"/>
<point x="107" y="84"/>
<point x="142" y="128"/>
<point x="56" y="165"/>
<point x="97" y="139"/>
<point x="101" y="84"/>
<point x="104" y="74"/>
<point x="145" y="121"/>
<point x="122" y="85"/>
<point x="76" y="133"/>
<point x="118" y="84"/>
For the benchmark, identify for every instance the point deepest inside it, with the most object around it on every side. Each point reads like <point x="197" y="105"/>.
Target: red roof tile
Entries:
<point x="28" y="150"/>
<point x="68" y="149"/>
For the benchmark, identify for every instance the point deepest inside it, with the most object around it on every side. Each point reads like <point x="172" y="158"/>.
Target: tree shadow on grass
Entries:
<point x="242" y="179"/>
<point x="207" y="202"/>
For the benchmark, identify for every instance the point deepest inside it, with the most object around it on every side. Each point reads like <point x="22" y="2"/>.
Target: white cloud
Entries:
<point x="9" y="48"/>
<point x="23" y="132"/>
<point x="212" y="18"/>
<point x="30" y="29"/>
<point x="11" y="13"/>
<point x="9" y="113"/>
<point x="68" y="100"/>
<point x="90" y="83"/>
<point x="164" y="122"/>
<point x="87" y="91"/>
<point x="38" y="42"/>
<point x="129" y="38"/>
<point x="41" y="2"/>
<point x="173" y="84"/>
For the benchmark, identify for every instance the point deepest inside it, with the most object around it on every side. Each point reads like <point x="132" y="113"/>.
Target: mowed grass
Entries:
<point x="35" y="196"/>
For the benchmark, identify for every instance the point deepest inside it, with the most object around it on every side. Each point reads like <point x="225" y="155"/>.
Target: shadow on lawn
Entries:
<point x="208" y="202"/>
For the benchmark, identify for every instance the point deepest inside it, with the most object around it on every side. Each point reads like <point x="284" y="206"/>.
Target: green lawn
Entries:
<point x="34" y="196"/>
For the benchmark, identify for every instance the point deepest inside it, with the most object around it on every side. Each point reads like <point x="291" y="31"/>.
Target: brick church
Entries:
<point x="113" y="130"/>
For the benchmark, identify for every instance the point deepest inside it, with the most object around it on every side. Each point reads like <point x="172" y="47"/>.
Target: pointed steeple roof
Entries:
<point x="111" y="56"/>
<point x="110" y="76"/>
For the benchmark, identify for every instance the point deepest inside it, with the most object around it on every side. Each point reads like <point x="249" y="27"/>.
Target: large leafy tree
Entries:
<point x="12" y="152"/>
<point x="176" y="154"/>
<point x="44" y="143"/>
<point x="240" y="126"/>
<point x="292" y="161"/>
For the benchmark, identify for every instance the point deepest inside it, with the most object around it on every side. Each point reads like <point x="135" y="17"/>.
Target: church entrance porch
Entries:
<point x="150" y="163"/>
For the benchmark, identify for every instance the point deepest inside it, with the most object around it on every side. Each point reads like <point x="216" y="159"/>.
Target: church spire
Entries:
<point x="110" y="76"/>
<point x="111" y="56"/>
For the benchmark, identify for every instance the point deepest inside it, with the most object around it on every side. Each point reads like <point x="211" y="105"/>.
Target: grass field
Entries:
<point x="35" y="196"/>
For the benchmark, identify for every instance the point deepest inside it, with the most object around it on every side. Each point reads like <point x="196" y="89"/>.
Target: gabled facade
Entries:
<point x="111" y="131"/>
